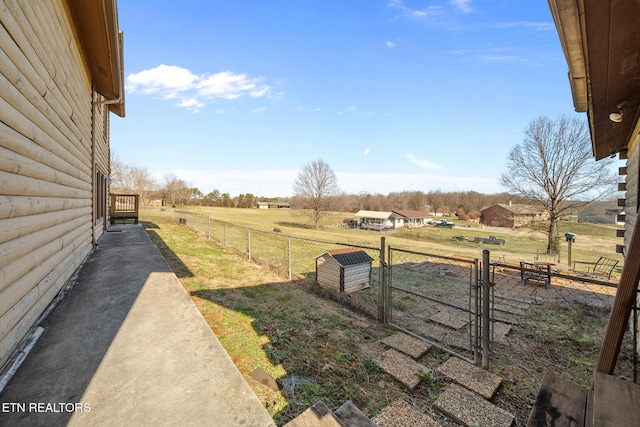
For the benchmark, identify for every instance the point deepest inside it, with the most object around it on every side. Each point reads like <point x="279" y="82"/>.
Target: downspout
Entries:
<point x="94" y="195"/>
<point x="109" y="101"/>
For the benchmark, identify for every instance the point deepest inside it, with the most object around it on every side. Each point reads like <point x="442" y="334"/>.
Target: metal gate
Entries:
<point x="437" y="299"/>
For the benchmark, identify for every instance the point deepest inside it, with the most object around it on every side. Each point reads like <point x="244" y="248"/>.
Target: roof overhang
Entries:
<point x="102" y="43"/>
<point x="601" y="42"/>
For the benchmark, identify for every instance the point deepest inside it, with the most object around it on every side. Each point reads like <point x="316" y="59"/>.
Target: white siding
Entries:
<point x="356" y="277"/>
<point x="46" y="161"/>
<point x="328" y="272"/>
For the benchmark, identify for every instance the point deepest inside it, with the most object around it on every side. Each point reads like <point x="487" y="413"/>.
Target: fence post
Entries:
<point x="249" y="241"/>
<point x="381" y="280"/>
<point x="486" y="356"/>
<point x="290" y="263"/>
<point x="477" y="321"/>
<point x="208" y="227"/>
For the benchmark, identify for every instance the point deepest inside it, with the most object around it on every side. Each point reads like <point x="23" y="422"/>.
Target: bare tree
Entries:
<point x="554" y="166"/>
<point x="176" y="190"/>
<point x="141" y="182"/>
<point x="315" y="185"/>
<point x="436" y="200"/>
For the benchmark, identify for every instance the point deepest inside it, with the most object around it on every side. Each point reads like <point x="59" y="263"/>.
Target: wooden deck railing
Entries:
<point x="123" y="206"/>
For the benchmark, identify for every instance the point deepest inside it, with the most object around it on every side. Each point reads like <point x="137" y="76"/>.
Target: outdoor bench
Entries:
<point x="536" y="272"/>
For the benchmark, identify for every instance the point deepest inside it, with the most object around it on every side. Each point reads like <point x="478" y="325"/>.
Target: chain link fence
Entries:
<point x="437" y="298"/>
<point x="533" y="327"/>
<point x="554" y="321"/>
<point x="291" y="256"/>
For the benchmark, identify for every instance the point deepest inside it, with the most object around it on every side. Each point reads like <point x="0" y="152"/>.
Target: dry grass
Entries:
<point x="288" y="328"/>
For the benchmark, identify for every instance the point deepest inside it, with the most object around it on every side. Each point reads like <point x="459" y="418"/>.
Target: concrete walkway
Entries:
<point x="127" y="346"/>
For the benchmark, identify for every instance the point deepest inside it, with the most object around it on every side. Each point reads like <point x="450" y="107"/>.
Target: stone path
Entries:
<point x="464" y="400"/>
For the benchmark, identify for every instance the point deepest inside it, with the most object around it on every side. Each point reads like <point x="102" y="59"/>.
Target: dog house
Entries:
<point x="344" y="270"/>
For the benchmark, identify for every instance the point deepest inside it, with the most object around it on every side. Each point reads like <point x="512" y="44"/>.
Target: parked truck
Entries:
<point x="491" y="240"/>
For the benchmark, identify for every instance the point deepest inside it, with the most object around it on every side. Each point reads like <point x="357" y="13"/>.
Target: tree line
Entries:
<point x="175" y="191"/>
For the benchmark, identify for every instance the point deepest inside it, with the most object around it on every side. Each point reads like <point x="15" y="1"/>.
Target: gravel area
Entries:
<point x="402" y="414"/>
<point x="470" y="376"/>
<point x="401" y="367"/>
<point x="407" y="344"/>
<point x="470" y="409"/>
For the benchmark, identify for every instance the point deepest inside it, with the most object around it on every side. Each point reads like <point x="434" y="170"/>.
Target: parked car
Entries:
<point x="460" y="238"/>
<point x="491" y="240"/>
<point x="443" y="223"/>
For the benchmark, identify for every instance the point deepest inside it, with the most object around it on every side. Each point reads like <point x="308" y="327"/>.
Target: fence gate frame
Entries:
<point x="479" y="303"/>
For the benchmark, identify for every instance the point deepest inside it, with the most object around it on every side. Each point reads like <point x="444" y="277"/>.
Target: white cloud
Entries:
<point x="366" y="151"/>
<point x="462" y="5"/>
<point x="427" y="12"/>
<point x="193" y="90"/>
<point x="349" y="109"/>
<point x="166" y="79"/>
<point x="191" y="104"/>
<point x="259" y="110"/>
<point x="390" y="44"/>
<point x="422" y="163"/>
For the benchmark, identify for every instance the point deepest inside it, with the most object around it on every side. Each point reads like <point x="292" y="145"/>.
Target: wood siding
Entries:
<point x="53" y="141"/>
<point x="330" y="274"/>
<point x="632" y="202"/>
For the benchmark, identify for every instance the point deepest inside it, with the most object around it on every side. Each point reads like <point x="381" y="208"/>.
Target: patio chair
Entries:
<point x="603" y="268"/>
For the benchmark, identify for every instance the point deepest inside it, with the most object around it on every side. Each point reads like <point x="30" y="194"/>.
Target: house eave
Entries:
<point x="96" y="22"/>
<point x="601" y="43"/>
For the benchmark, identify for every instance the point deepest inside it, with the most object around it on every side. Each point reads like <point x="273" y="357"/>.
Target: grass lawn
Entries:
<point x="592" y="241"/>
<point x="266" y="322"/>
<point x="287" y="329"/>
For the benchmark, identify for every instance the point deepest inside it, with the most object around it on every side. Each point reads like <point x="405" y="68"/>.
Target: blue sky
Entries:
<point x="395" y="95"/>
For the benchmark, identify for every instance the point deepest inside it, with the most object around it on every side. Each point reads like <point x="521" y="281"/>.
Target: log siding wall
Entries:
<point x="632" y="188"/>
<point x="53" y="142"/>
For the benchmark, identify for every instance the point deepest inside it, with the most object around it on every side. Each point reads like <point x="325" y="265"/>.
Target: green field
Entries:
<point x="592" y="241"/>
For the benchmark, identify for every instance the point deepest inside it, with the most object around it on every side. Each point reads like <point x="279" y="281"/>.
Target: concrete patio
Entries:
<point x="127" y="346"/>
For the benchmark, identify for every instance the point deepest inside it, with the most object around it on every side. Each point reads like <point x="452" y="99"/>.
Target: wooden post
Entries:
<point x="290" y="261"/>
<point x="486" y="350"/>
<point x="381" y="283"/>
<point x="622" y="305"/>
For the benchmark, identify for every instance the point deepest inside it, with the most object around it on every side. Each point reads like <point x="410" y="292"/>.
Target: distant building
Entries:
<point x="274" y="205"/>
<point x="512" y="215"/>
<point x="411" y="218"/>
<point x="375" y="220"/>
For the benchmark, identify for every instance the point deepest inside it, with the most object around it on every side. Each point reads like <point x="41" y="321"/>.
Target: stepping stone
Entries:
<point x="407" y="344"/>
<point x="436" y="332"/>
<point x="500" y="331"/>
<point x="349" y="415"/>
<point x="522" y="305"/>
<point x="470" y="409"/>
<point x="402" y="414"/>
<point x="508" y="308"/>
<point x="317" y="415"/>
<point x="401" y="367"/>
<point x="470" y="376"/>
<point x="458" y="339"/>
<point x="452" y="318"/>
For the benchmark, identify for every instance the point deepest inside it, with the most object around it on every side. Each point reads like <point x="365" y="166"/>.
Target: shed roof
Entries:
<point x="373" y="214"/>
<point x="348" y="256"/>
<point x="407" y="213"/>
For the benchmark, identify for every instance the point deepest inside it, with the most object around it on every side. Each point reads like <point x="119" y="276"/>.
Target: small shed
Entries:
<point x="344" y="270"/>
